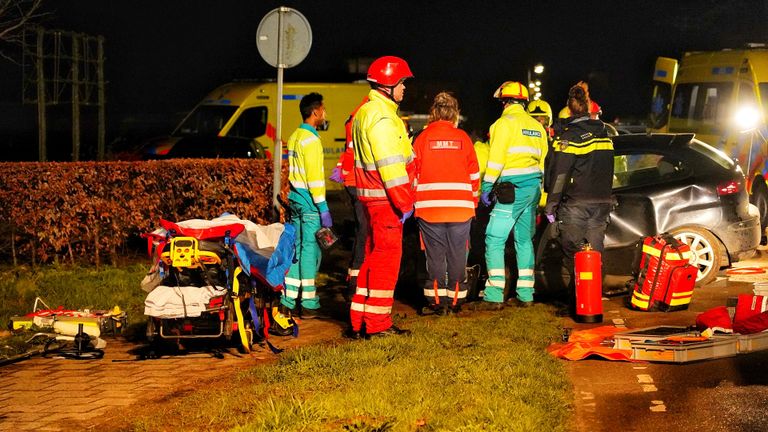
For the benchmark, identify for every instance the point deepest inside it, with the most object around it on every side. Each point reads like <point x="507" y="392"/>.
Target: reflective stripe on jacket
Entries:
<point x="518" y="148"/>
<point x="446" y="174"/>
<point x="305" y="165"/>
<point x="581" y="167"/>
<point x="383" y="154"/>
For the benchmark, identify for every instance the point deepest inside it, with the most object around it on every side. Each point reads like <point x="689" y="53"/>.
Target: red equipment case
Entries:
<point x="664" y="279"/>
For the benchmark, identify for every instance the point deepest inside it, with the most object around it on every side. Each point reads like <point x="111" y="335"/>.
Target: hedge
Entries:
<point x="87" y="210"/>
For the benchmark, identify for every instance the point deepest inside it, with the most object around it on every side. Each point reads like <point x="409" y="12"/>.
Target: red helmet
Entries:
<point x="389" y="71"/>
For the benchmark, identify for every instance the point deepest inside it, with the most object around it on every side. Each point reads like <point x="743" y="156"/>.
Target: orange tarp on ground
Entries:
<point x="584" y="343"/>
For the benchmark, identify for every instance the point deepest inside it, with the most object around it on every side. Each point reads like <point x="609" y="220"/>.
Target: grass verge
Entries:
<point x="73" y="288"/>
<point x="480" y="372"/>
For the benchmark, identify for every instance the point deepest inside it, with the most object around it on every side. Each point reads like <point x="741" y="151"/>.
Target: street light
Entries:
<point x="535" y="84"/>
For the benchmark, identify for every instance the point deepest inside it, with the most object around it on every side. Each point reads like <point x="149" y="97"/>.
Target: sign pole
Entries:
<point x="277" y="156"/>
<point x="283" y="39"/>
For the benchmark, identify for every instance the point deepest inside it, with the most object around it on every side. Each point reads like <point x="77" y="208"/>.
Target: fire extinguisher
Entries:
<point x="589" y="285"/>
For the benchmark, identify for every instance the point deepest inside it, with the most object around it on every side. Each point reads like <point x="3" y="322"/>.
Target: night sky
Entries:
<point x="163" y="56"/>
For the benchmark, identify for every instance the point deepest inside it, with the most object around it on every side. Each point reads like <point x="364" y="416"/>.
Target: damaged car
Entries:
<point x="668" y="183"/>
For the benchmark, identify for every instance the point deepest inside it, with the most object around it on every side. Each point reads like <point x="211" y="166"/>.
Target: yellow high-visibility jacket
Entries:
<point x="518" y="148"/>
<point x="305" y="166"/>
<point x="383" y="154"/>
<point x="482" y="148"/>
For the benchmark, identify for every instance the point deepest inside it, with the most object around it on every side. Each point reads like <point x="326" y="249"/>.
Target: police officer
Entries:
<point x="580" y="176"/>
<point x="518" y="146"/>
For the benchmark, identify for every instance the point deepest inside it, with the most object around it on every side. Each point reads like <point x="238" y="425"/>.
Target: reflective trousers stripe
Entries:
<point x="366" y="308"/>
<point x="306" y="293"/>
<point x="440" y="292"/>
<point x="374" y="293"/>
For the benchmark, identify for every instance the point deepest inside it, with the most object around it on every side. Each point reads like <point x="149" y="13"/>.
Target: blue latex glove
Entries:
<point x="326" y="221"/>
<point x="336" y="175"/>
<point x="551" y="218"/>
<point x="406" y="215"/>
<point x="485" y="198"/>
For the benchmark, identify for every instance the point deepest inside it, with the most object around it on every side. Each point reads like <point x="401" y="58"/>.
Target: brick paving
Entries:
<point x="57" y="394"/>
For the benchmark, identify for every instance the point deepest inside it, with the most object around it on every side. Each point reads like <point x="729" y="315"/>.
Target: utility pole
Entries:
<point x="65" y="64"/>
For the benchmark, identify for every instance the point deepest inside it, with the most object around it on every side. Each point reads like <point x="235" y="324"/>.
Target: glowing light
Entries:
<point x="538" y="69"/>
<point x="746" y="118"/>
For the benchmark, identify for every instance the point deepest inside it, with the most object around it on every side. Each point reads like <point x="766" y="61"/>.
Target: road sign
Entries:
<point x="284" y="37"/>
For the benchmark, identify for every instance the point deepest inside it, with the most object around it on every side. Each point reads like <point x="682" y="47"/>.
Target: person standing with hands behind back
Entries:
<point x="446" y="194"/>
<point x="580" y="176"/>
<point x="309" y="209"/>
<point x="384" y="182"/>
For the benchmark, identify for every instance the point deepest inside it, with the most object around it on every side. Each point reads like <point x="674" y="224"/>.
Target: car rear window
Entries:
<point x="717" y="156"/>
<point x="645" y="168"/>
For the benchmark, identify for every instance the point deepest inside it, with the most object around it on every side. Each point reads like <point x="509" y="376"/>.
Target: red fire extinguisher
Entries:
<point x="589" y="285"/>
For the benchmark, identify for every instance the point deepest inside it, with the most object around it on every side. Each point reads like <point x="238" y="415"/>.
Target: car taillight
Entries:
<point x="728" y="188"/>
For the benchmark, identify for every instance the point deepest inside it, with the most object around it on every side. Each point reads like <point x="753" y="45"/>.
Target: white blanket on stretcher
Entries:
<point x="180" y="302"/>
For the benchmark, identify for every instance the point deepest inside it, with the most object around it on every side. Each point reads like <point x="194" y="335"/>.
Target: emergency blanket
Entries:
<point x="263" y="251"/>
<point x="751" y="316"/>
<point x="180" y="302"/>
<point x="596" y="341"/>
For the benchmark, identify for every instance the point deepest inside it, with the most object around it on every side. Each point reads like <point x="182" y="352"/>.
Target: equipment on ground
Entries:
<point x="589" y="285"/>
<point x="218" y="278"/>
<point x="664" y="278"/>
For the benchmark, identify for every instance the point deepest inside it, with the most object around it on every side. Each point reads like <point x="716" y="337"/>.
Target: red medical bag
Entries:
<point x="664" y="278"/>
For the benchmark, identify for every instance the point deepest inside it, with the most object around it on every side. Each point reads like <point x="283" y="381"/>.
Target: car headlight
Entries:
<point x="746" y="118"/>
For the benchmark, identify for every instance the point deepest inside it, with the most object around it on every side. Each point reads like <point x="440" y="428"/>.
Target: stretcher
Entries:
<point x="218" y="278"/>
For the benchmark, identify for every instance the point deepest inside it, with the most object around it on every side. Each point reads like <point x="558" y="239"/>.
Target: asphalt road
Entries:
<point x="727" y="394"/>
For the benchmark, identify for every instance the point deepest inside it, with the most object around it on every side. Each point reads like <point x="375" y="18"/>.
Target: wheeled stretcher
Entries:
<point x="216" y="278"/>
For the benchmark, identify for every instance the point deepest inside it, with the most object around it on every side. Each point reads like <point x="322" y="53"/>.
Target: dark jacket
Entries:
<point x="581" y="165"/>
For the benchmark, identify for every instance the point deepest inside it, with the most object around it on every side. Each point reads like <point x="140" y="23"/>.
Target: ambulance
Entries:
<point x="721" y="96"/>
<point x="245" y="113"/>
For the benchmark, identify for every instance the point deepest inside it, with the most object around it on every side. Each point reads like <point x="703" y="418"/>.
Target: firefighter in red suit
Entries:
<point x="447" y="180"/>
<point x="344" y="173"/>
<point x="384" y="182"/>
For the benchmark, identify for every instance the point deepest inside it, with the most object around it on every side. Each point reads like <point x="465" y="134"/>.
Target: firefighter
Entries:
<point x="308" y="207"/>
<point x="384" y="182"/>
<point x="542" y="112"/>
<point x="447" y="181"/>
<point x="513" y="174"/>
<point x="580" y="176"/>
<point x="343" y="173"/>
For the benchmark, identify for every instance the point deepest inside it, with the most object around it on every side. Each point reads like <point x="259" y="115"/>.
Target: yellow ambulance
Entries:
<point x="721" y="96"/>
<point x="245" y="113"/>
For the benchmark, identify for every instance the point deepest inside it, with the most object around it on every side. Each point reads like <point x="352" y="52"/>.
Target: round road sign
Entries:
<point x="284" y="31"/>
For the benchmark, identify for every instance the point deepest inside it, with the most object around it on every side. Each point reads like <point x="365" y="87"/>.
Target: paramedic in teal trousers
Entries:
<point x="309" y="209"/>
<point x="518" y="146"/>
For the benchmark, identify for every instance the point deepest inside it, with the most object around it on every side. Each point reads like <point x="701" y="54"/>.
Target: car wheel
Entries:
<point x="759" y="197"/>
<point x="706" y="251"/>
